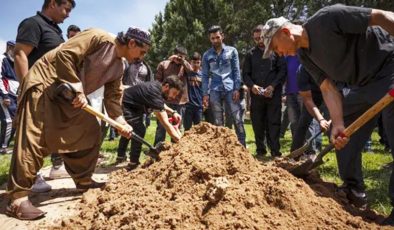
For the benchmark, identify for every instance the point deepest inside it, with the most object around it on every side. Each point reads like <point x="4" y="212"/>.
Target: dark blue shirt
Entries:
<point x="195" y="92"/>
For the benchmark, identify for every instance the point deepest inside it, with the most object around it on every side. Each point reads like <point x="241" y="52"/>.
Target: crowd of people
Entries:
<point x="287" y="77"/>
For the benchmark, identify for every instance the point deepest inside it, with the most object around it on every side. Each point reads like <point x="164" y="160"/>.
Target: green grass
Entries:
<point x="376" y="177"/>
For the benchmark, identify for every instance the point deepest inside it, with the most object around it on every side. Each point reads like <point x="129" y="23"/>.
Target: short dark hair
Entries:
<point x="298" y="21"/>
<point x="214" y="29"/>
<point x="173" y="81"/>
<point x="196" y="56"/>
<point x="58" y="2"/>
<point x="73" y="28"/>
<point x="180" y="50"/>
<point x="258" y="29"/>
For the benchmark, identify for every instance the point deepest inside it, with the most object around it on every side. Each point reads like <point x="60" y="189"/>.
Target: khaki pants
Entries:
<point x="30" y="149"/>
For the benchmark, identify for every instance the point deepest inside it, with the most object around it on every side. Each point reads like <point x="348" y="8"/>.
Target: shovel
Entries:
<point x="304" y="169"/>
<point x="67" y="92"/>
<point x="298" y="152"/>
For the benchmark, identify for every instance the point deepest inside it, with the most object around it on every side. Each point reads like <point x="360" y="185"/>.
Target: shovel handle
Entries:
<point x="115" y="124"/>
<point x="370" y="113"/>
<point x="103" y="117"/>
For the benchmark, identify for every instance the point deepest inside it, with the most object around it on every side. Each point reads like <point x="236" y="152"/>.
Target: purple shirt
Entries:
<point x="292" y="67"/>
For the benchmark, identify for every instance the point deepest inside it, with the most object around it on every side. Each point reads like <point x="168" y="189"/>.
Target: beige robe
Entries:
<point x="88" y="61"/>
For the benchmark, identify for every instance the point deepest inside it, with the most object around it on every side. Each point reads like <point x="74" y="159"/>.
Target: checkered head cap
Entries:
<point x="268" y="32"/>
<point x="139" y="34"/>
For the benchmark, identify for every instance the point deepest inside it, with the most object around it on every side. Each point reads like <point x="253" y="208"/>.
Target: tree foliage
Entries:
<point x="185" y="22"/>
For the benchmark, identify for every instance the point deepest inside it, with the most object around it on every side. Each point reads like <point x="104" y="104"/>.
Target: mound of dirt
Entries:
<point x="209" y="180"/>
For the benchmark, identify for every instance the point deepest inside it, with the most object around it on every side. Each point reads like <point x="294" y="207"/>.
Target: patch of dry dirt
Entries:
<point x="210" y="181"/>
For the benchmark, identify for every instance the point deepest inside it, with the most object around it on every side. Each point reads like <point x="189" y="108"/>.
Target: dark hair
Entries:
<point x="173" y="81"/>
<point x="214" y="29"/>
<point x="196" y="56"/>
<point x="58" y="2"/>
<point x="73" y="28"/>
<point x="258" y="29"/>
<point x="180" y="50"/>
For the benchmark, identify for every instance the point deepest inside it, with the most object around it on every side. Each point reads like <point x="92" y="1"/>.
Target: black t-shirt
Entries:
<point x="40" y="32"/>
<point x="142" y="98"/>
<point x="305" y="82"/>
<point x="343" y="47"/>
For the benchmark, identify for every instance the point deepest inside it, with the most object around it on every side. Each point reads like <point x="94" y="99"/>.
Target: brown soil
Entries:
<point x="209" y="180"/>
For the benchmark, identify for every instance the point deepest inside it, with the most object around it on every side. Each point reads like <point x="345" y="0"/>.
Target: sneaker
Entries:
<point x="389" y="221"/>
<point x="40" y="185"/>
<point x="58" y="172"/>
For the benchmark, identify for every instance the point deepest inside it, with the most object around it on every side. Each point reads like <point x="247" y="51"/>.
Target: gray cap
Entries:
<point x="268" y="32"/>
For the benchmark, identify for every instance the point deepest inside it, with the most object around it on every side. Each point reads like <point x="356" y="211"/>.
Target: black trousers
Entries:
<point x="137" y="122"/>
<point x="266" y="121"/>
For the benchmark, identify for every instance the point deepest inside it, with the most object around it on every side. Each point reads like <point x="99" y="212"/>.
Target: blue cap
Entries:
<point x="10" y="43"/>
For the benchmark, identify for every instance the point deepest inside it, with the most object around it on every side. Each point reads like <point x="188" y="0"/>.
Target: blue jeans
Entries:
<point x="217" y="99"/>
<point x="193" y="116"/>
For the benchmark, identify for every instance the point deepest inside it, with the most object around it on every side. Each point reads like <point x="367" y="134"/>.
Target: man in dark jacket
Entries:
<point x="265" y="78"/>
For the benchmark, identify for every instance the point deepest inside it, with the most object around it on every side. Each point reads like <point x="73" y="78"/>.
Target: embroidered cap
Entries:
<point x="138" y="34"/>
<point x="268" y="32"/>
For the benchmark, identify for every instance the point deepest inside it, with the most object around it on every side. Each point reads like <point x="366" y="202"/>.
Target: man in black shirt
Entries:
<point x="349" y="45"/>
<point x="36" y="36"/>
<point x="265" y="78"/>
<point x="145" y="97"/>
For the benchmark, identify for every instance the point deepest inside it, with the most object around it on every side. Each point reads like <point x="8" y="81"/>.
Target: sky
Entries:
<point x="112" y="16"/>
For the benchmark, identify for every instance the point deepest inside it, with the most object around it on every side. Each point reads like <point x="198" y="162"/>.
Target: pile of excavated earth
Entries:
<point x="210" y="181"/>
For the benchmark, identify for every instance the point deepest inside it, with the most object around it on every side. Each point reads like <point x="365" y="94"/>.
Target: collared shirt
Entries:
<point x="223" y="69"/>
<point x="40" y="32"/>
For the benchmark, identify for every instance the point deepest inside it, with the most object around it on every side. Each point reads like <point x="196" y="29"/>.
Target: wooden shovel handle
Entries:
<point x="103" y="117"/>
<point x="369" y="114"/>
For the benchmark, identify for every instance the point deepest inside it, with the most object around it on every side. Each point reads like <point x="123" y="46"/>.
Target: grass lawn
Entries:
<point x="376" y="177"/>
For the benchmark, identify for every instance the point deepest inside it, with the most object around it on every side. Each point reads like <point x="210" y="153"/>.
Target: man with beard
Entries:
<point x="265" y="77"/>
<point x="221" y="64"/>
<point x="142" y="99"/>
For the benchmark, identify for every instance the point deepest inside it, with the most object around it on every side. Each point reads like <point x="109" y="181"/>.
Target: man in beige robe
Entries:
<point x="46" y="123"/>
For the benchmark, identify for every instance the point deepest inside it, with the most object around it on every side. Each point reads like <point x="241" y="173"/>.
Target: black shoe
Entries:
<point x="262" y="153"/>
<point x="132" y="166"/>
<point x="276" y="154"/>
<point x="357" y="198"/>
<point x="120" y="159"/>
<point x="389" y="221"/>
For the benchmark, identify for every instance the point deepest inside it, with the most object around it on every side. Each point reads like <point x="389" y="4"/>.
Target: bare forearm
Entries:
<point x="313" y="110"/>
<point x="384" y="19"/>
<point x="21" y="65"/>
<point x="333" y="101"/>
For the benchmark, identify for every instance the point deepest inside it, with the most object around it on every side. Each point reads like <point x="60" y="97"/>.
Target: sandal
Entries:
<point x="24" y="211"/>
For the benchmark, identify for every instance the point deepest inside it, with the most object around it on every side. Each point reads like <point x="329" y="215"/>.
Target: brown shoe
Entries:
<point x="25" y="211"/>
<point x="86" y="187"/>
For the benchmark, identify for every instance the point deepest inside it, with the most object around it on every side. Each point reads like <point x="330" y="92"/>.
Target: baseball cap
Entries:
<point x="268" y="32"/>
<point x="10" y="43"/>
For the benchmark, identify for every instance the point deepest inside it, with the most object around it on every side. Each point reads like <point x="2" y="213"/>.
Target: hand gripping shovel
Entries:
<point x="304" y="169"/>
<point x="67" y="92"/>
<point x="298" y="152"/>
